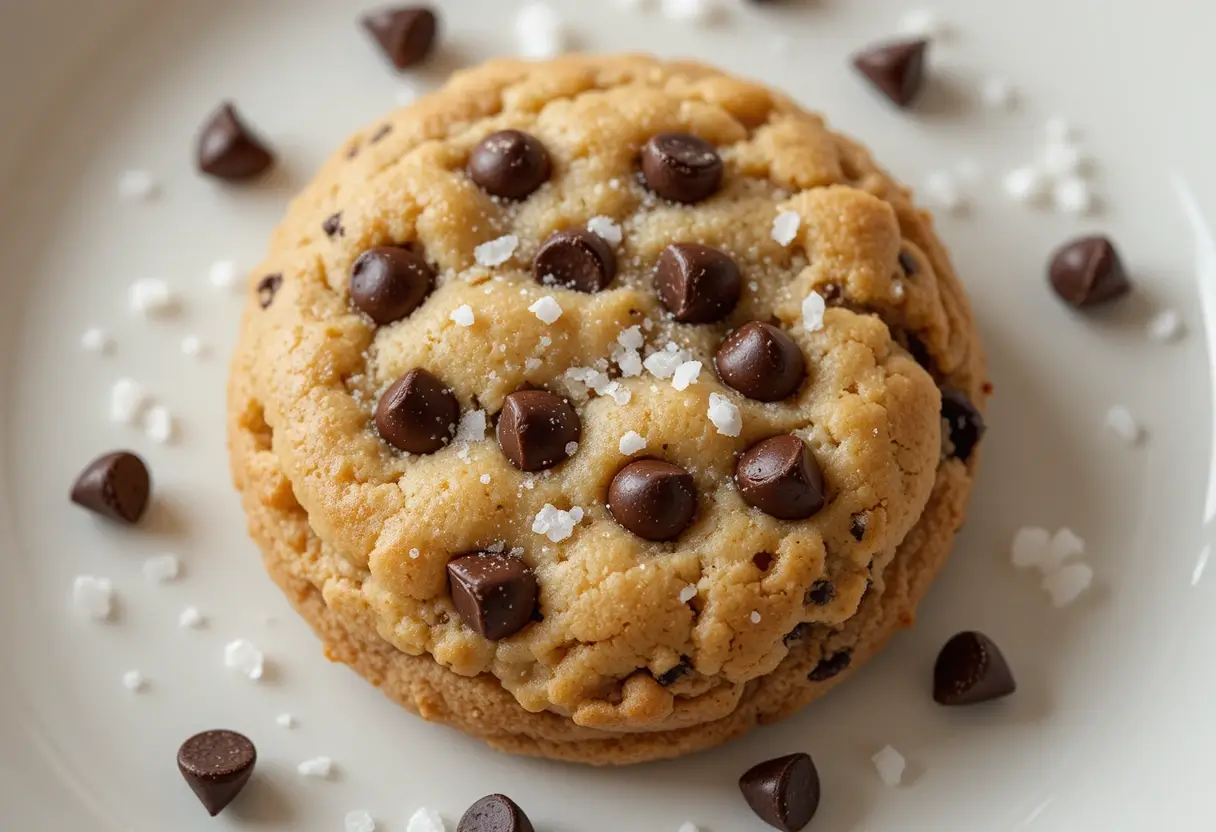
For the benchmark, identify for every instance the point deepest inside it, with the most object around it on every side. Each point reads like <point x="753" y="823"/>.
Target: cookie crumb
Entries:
<point x="358" y="821"/>
<point x="223" y="274"/>
<point x="556" y="524"/>
<point x="606" y="229"/>
<point x="1120" y="420"/>
<point x="724" y="415"/>
<point x="632" y="442"/>
<point x="539" y="32"/>
<point x="425" y="820"/>
<point x="158" y="424"/>
<point x="1067" y="583"/>
<point x="546" y="309"/>
<point x="151" y="298"/>
<point x="242" y="656"/>
<point x="93" y="597"/>
<point x="496" y="252"/>
<point x="462" y="315"/>
<point x="785" y="227"/>
<point x="685" y="375"/>
<point x="96" y="340"/>
<point x="134" y="681"/>
<point x="138" y="185"/>
<point x="319" y="768"/>
<point x="890" y="765"/>
<point x="191" y="619"/>
<point x="813" y="308"/>
<point x="127" y="401"/>
<point x="160" y="569"/>
<point x="1165" y="326"/>
<point x="285" y="720"/>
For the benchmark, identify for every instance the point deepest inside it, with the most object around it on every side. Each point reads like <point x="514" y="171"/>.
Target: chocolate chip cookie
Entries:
<point x="605" y="408"/>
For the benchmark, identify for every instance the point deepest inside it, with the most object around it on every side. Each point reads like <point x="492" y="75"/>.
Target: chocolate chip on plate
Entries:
<point x="535" y="428"/>
<point x="681" y="167"/>
<point x="494" y="594"/>
<point x="831" y="666"/>
<point x="333" y="225"/>
<point x="896" y="69"/>
<point x="784" y="792"/>
<point x="227" y="149"/>
<point x="821" y="593"/>
<point x="780" y="477"/>
<point x="510" y="164"/>
<point x="268" y="287"/>
<point x="1087" y="271"/>
<point x="216" y="765"/>
<point x="761" y="362"/>
<point x="494" y="813"/>
<point x="697" y="284"/>
<point x="418" y="413"/>
<point x="405" y="33"/>
<point x="575" y="259"/>
<point x="389" y="282"/>
<point x="970" y="669"/>
<point x="653" y="499"/>
<point x="965" y="426"/>
<point x="115" y="485"/>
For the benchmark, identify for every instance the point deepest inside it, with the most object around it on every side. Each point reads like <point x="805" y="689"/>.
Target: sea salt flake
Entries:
<point x="923" y="23"/>
<point x="688" y="826"/>
<point x="1120" y="420"/>
<point x="755" y="617"/>
<point x="151" y="298"/>
<point x="285" y="721"/>
<point x="1059" y="130"/>
<point x="688" y="593"/>
<point x="631" y="338"/>
<point x="785" y="227"/>
<point x="1072" y="195"/>
<point x="158" y="424"/>
<point x="127" y="401"/>
<point x="1064" y="544"/>
<point x="998" y="94"/>
<point x="632" y="442"/>
<point x="606" y="229"/>
<point x="414" y="553"/>
<point x="97" y="341"/>
<point x="496" y="252"/>
<point x="318" y="767"/>
<point x="472" y="426"/>
<point x="571" y="448"/>
<point x="621" y="395"/>
<point x="556" y="524"/>
<point x="662" y="364"/>
<point x="1026" y="184"/>
<point x="484" y="479"/>
<point x="193" y="346"/>
<point x="93" y="597"/>
<point x="190" y="619"/>
<point x="943" y="192"/>
<point x="1029" y="547"/>
<point x="546" y="309"/>
<point x="897" y="289"/>
<point x="242" y="656"/>
<point x="462" y="315"/>
<point x="890" y="765"/>
<point x="685" y="375"/>
<point x="531" y="365"/>
<point x="813" y="308"/>
<point x="1165" y="326"/>
<point x="628" y="361"/>
<point x="724" y="415"/>
<point x="1064" y="160"/>
<point x="160" y="569"/>
<point x="692" y="11"/>
<point x="545" y="341"/>
<point x="425" y="820"/>
<point x="539" y="32"/>
<point x="1067" y="583"/>
<point x="137" y="185"/>
<point x="134" y="681"/>
<point x="358" y="821"/>
<point x="223" y="274"/>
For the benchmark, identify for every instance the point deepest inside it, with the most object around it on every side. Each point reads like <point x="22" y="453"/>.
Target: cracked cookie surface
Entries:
<point x="424" y="253"/>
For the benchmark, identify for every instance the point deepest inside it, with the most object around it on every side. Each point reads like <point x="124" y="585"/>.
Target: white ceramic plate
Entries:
<point x="1111" y="727"/>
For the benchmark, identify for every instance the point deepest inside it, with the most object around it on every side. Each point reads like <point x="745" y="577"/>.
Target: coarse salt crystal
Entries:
<point x="242" y="656"/>
<point x="539" y="32"/>
<point x="193" y="346"/>
<point x="545" y="341"/>
<point x="1059" y="130"/>
<point x="462" y="315"/>
<point x="93" y="597"/>
<point x="484" y="479"/>
<point x="998" y="94"/>
<point x="546" y="309"/>
<point x="531" y="365"/>
<point x="127" y="401"/>
<point x="358" y="821"/>
<point x="606" y="230"/>
<point x="137" y="185"/>
<point x="1029" y="548"/>
<point x="620" y="395"/>
<point x="755" y="617"/>
<point x="285" y="721"/>
<point x="191" y="619"/>
<point x="1165" y="326"/>
<point x="96" y="340"/>
<point x="223" y="274"/>
<point x="1026" y="184"/>
<point x="898" y="289"/>
<point x="319" y="767"/>
<point x="629" y="361"/>
<point x="160" y="569"/>
<point x="890" y="765"/>
<point x="151" y="298"/>
<point x="1067" y="583"/>
<point x="942" y="191"/>
<point x="632" y="442"/>
<point x="694" y="11"/>
<point x="688" y="593"/>
<point x="414" y="553"/>
<point x="688" y="826"/>
<point x="1062" y="160"/>
<point x="631" y="338"/>
<point x="134" y="681"/>
<point x="785" y="227"/>
<point x="724" y="415"/>
<point x="1120" y="420"/>
<point x="425" y="820"/>
<point x="813" y="308"/>
<point x="662" y="364"/>
<point x="1064" y="544"/>
<point x="472" y="426"/>
<point x="496" y="252"/>
<point x="405" y="95"/>
<point x="923" y="22"/>
<point x="1072" y="195"/>
<point x="158" y="424"/>
<point x="556" y="524"/>
<point x="685" y="375"/>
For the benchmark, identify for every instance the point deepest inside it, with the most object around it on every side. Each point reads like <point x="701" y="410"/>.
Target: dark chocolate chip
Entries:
<point x="389" y="282"/>
<point x="908" y="263"/>
<point x="216" y="765"/>
<point x="784" y="793"/>
<point x="675" y="674"/>
<point x="821" y="593"/>
<point x="857" y="526"/>
<point x="780" y="477"/>
<point x="800" y="631"/>
<point x="405" y="33"/>
<point x="681" y="167"/>
<point x="535" y="427"/>
<point x="653" y="499"/>
<point x="418" y="413"/>
<point x="510" y="164"/>
<point x="896" y="69"/>
<point x="964" y="423"/>
<point x="333" y="225"/>
<point x="227" y="149"/>
<point x="494" y="594"/>
<point x="971" y="669"/>
<point x="575" y="259"/>
<point x="494" y="813"/>
<point x="115" y="485"/>
<point x="920" y="353"/>
<point x="761" y="362"/>
<point x="1088" y="271"/>
<point x="830" y="666"/>
<point x="697" y="284"/>
<point x="762" y="560"/>
<point x="268" y="287"/>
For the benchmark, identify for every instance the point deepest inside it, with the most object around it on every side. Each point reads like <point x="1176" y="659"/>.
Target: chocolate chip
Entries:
<point x="1088" y="271"/>
<point x="494" y="813"/>
<point x="494" y="594"/>
<point x="833" y="665"/>
<point x="575" y="259"/>
<point x="675" y="674"/>
<point x="830" y="292"/>
<point x="965" y="424"/>
<point x="971" y="669"/>
<point x="920" y="353"/>
<point x="780" y="477"/>
<point x="418" y="413"/>
<point x="535" y="427"/>
<point x="389" y="282"/>
<point x="381" y="131"/>
<point x="653" y="499"/>
<point x="908" y="263"/>
<point x="784" y="792"/>
<point x="216" y="765"/>
<point x="115" y="485"/>
<point x="697" y="284"/>
<point x="333" y="225"/>
<point x="268" y="287"/>
<point x="761" y="362"/>
<point x="800" y="631"/>
<point x="821" y="593"/>
<point x="510" y="164"/>
<point x="681" y="167"/>
<point x="226" y="149"/>
<point x="406" y="33"/>
<point x="896" y="69"/>
<point x="857" y="526"/>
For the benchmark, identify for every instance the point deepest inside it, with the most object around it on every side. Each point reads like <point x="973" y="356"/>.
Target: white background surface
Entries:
<point x="1112" y="725"/>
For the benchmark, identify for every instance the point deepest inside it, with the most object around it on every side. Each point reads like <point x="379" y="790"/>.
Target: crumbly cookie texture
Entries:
<point x="637" y="648"/>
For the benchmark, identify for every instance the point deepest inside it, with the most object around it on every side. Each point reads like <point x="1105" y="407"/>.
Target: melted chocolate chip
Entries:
<point x="387" y="283"/>
<point x="216" y="766"/>
<point x="575" y="259"/>
<point x="697" y="284"/>
<point x="897" y="70"/>
<point x="535" y="428"/>
<point x="510" y="164"/>
<point x="821" y="593"/>
<point x="780" y="477"/>
<point x="268" y="287"/>
<point x="494" y="594"/>
<point x="681" y="167"/>
<point x="964" y="422"/>
<point x="761" y="362"/>
<point x="227" y="149"/>
<point x="831" y="666"/>
<point x="653" y="499"/>
<point x="406" y="35"/>
<point x="115" y="485"/>
<point x="784" y="792"/>
<point x="970" y="669"/>
<point x="1087" y="272"/>
<point x="418" y="413"/>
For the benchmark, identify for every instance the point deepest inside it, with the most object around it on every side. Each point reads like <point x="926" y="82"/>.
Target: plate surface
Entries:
<point x="1111" y="727"/>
